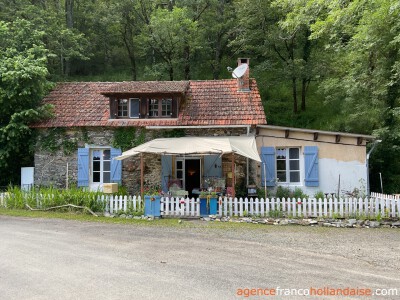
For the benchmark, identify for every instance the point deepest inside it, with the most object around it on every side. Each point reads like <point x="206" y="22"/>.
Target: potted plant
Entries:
<point x="208" y="203"/>
<point x="152" y="201"/>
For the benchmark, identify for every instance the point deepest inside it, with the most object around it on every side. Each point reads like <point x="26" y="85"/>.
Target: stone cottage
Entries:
<point x="95" y="121"/>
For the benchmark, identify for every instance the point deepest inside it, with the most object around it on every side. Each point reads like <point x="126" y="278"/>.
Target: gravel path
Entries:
<point x="60" y="259"/>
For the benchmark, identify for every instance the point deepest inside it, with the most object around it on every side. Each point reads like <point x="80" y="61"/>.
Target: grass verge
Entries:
<point x="167" y="222"/>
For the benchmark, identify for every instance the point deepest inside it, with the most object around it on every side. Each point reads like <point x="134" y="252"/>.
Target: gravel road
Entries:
<point x="61" y="259"/>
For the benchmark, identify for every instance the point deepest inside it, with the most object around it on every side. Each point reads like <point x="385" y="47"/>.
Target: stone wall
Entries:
<point x="51" y="166"/>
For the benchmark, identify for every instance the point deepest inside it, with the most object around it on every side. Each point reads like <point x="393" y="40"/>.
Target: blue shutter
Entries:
<point x="166" y="171"/>
<point x="213" y="165"/>
<point x="311" y="166"/>
<point x="83" y="167"/>
<point x="268" y="159"/>
<point x="116" y="166"/>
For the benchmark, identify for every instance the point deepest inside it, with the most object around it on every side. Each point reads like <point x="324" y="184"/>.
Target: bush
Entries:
<point x="285" y="192"/>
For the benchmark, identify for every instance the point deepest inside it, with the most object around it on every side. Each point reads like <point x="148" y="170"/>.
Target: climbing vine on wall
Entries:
<point x="55" y="139"/>
<point x="168" y="133"/>
<point x="127" y="138"/>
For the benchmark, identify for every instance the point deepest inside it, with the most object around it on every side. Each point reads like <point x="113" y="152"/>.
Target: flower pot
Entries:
<point x="152" y="205"/>
<point x="203" y="207"/>
<point x="213" y="206"/>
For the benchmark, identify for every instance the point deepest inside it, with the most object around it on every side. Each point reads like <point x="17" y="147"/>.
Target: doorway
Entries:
<point x="188" y="171"/>
<point x="100" y="168"/>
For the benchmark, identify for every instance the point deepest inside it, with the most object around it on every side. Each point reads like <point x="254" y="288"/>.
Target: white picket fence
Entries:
<point x="180" y="206"/>
<point x="115" y="204"/>
<point x="374" y="206"/>
<point x="112" y="204"/>
<point x="304" y="208"/>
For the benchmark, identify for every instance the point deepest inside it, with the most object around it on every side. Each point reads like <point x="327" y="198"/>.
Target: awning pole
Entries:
<point x="141" y="175"/>
<point x="233" y="175"/>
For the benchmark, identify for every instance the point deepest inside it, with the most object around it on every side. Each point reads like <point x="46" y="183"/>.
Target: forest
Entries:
<point x="320" y="64"/>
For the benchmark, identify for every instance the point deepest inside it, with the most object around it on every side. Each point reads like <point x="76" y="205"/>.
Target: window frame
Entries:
<point x="164" y="107"/>
<point x="288" y="170"/>
<point x="160" y="107"/>
<point x="120" y="112"/>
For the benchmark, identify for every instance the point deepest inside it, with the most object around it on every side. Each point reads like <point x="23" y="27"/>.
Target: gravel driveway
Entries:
<point x="61" y="259"/>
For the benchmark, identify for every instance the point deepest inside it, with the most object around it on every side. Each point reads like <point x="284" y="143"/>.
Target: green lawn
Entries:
<point x="163" y="222"/>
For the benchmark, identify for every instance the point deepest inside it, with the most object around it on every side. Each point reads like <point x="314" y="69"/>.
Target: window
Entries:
<point x="123" y="108"/>
<point x="288" y="164"/>
<point x="101" y="166"/>
<point x="153" y="108"/>
<point x="166" y="108"/>
<point x="160" y="107"/>
<point x="144" y="108"/>
<point x="97" y="166"/>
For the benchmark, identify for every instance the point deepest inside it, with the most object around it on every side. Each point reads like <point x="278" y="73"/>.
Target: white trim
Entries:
<point x="287" y="159"/>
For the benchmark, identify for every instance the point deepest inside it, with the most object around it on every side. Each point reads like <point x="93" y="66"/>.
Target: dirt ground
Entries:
<point x="61" y="259"/>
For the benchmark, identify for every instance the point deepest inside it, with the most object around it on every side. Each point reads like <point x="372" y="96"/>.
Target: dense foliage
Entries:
<point x="323" y="64"/>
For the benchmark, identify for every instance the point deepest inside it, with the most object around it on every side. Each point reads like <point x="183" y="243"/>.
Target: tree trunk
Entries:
<point x="304" y="86"/>
<point x="127" y="36"/>
<point x="306" y="77"/>
<point x="216" y="66"/>
<point x="294" y="92"/>
<point x="186" y="54"/>
<point x="171" y="72"/>
<point x="69" y="14"/>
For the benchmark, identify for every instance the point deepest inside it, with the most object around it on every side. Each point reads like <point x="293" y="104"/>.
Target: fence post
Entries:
<point x="198" y="207"/>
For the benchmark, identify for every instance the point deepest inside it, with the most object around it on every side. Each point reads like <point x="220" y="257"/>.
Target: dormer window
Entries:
<point x="166" y="107"/>
<point x="160" y="107"/>
<point x="143" y="107"/>
<point x="122" y="108"/>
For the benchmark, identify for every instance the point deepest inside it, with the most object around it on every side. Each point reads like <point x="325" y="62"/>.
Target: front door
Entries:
<point x="188" y="171"/>
<point x="100" y="166"/>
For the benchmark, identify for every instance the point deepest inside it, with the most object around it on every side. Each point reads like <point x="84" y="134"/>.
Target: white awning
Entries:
<point x="242" y="145"/>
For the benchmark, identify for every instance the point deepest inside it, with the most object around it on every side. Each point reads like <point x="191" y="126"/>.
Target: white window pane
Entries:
<point x="106" y="165"/>
<point x="294" y="153"/>
<point x="96" y="176"/>
<point x="295" y="176"/>
<point x="179" y="164"/>
<point x="106" y="155"/>
<point x="106" y="177"/>
<point x="281" y="165"/>
<point x="281" y="176"/>
<point x="294" y="165"/>
<point x="281" y="153"/>
<point x="96" y="154"/>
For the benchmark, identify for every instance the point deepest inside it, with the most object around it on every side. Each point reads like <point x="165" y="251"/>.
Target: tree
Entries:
<point x="281" y="45"/>
<point x="168" y="33"/>
<point x="363" y="39"/>
<point x="23" y="83"/>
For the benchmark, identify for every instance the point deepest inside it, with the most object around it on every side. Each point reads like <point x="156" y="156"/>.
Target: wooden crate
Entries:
<point x="110" y="188"/>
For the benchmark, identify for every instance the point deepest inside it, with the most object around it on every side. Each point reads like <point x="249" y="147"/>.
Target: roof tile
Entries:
<point x="208" y="102"/>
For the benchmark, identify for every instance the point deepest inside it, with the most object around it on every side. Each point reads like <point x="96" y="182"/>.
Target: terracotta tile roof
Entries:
<point x="209" y="102"/>
<point x="142" y="87"/>
<point x="219" y="102"/>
